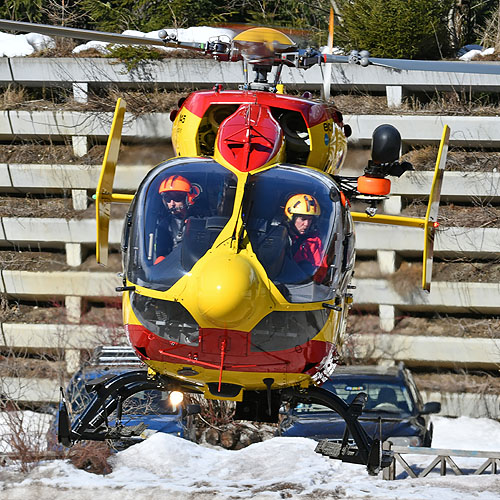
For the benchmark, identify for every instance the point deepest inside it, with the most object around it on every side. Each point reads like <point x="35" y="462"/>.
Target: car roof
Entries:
<point x="376" y="370"/>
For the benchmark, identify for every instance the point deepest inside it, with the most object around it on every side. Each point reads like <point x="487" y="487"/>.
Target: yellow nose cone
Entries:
<point x="228" y="290"/>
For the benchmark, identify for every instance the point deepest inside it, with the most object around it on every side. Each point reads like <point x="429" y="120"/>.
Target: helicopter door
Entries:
<point x="180" y="209"/>
<point x="301" y="265"/>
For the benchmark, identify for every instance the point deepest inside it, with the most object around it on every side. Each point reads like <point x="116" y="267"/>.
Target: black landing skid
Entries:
<point x="110" y="393"/>
<point x="365" y="451"/>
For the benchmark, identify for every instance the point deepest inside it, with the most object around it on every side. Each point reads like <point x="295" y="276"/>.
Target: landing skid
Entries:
<point x="111" y="391"/>
<point x="366" y="451"/>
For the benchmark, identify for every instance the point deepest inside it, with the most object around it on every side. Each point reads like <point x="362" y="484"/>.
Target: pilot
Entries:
<point x="178" y="196"/>
<point x="302" y="211"/>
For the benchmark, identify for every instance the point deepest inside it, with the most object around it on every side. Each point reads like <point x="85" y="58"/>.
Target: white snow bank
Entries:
<point x="168" y="467"/>
<point x="468" y="56"/>
<point x="23" y="45"/>
<point x="194" y="34"/>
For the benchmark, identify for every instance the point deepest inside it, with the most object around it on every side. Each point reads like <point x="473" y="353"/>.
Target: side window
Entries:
<point x="291" y="216"/>
<point x="179" y="211"/>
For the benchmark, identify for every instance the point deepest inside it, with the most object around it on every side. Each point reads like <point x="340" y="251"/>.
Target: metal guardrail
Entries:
<point x="442" y="458"/>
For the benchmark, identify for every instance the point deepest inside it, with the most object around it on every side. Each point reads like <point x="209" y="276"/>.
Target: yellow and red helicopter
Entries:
<point x="215" y="299"/>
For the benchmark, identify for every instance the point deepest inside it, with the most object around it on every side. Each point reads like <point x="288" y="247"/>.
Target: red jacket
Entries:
<point x="309" y="248"/>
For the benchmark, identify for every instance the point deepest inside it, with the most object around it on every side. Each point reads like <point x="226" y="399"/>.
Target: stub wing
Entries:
<point x="431" y="215"/>
<point x="104" y="194"/>
<point x="429" y="224"/>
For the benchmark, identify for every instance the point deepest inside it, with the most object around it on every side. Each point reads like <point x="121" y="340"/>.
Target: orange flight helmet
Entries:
<point x="302" y="204"/>
<point x="181" y="184"/>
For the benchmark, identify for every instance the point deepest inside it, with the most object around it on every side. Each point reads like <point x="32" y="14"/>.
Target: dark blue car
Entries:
<point x="393" y="400"/>
<point x="151" y="407"/>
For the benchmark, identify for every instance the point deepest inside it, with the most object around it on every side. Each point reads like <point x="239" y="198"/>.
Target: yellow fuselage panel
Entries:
<point x="185" y="133"/>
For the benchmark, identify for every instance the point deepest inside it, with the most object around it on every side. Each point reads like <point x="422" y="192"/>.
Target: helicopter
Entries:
<point x="224" y="295"/>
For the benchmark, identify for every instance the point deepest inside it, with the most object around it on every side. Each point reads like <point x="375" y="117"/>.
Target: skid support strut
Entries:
<point x="110" y="391"/>
<point x="366" y="451"/>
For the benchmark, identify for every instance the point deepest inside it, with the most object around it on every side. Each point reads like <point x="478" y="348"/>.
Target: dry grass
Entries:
<point x="28" y="206"/>
<point x="139" y="101"/>
<point x="454" y="215"/>
<point x="439" y="103"/>
<point x="12" y="97"/>
<point x="46" y="261"/>
<point x="458" y="160"/>
<point x="406" y="280"/>
<point x="91" y="456"/>
<point x="48" y="154"/>
<point x="458" y="382"/>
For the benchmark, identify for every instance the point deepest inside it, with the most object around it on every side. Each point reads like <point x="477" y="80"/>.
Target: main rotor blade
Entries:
<point x="100" y="36"/>
<point x="418" y="65"/>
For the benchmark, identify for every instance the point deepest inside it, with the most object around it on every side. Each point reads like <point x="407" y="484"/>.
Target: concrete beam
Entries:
<point x="456" y="185"/>
<point x="420" y="129"/>
<point x="25" y="229"/>
<point x="444" y="296"/>
<point x="60" y="336"/>
<point x="30" y="390"/>
<point x="451" y="352"/>
<point x="31" y="176"/>
<point x="171" y="73"/>
<point x="59" y="124"/>
<point x="59" y="284"/>
<point x="472" y="242"/>
<point x="455" y="404"/>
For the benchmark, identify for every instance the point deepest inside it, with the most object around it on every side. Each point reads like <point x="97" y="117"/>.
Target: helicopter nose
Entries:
<point x="228" y="290"/>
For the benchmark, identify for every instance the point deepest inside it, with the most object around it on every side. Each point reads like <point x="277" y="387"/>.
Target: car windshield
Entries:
<point x="389" y="397"/>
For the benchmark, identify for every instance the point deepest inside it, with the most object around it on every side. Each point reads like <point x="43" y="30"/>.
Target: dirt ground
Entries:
<point x="455" y="215"/>
<point x="54" y="312"/>
<point x="432" y="325"/>
<point x="41" y="261"/>
<point x="458" y="160"/>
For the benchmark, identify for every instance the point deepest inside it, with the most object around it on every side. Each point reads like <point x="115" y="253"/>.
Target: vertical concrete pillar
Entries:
<point x="73" y="254"/>
<point x="387" y="317"/>
<point x="81" y="92"/>
<point x="394" y="95"/>
<point x="72" y="358"/>
<point x="79" y="197"/>
<point x="388" y="261"/>
<point x="393" y="205"/>
<point x="80" y="145"/>
<point x="73" y="308"/>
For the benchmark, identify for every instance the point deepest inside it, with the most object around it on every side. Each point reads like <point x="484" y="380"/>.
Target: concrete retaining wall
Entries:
<point x="60" y="124"/>
<point x="450" y="352"/>
<point x="170" y="73"/>
<point x="465" y="130"/>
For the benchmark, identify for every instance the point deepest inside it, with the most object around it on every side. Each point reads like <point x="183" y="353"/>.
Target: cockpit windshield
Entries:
<point x="179" y="211"/>
<point x="294" y="223"/>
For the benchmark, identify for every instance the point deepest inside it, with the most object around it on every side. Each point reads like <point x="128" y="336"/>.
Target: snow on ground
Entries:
<point x="194" y="34"/>
<point x="168" y="467"/>
<point x="21" y="425"/>
<point x="24" y="45"/>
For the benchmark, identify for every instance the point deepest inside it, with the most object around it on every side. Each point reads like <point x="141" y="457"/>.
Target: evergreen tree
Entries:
<point x="395" y="28"/>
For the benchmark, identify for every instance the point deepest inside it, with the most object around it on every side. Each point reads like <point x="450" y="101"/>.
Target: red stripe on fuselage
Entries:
<point x="313" y="112"/>
<point x="238" y="354"/>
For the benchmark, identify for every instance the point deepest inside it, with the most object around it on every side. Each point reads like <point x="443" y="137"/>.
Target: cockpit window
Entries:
<point x="180" y="209"/>
<point x="294" y="225"/>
